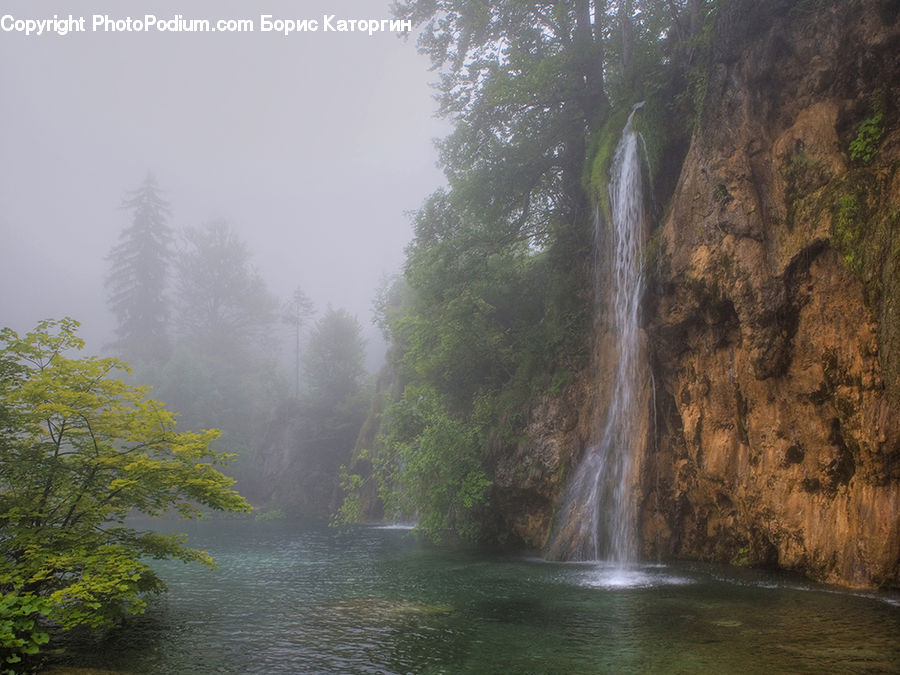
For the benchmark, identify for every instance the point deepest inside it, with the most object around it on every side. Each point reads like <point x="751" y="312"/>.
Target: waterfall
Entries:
<point x="597" y="518"/>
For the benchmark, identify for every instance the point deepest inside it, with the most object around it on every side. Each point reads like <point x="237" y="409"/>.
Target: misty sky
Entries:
<point x="313" y="146"/>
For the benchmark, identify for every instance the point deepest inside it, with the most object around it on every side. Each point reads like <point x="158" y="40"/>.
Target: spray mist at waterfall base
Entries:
<point x="615" y="575"/>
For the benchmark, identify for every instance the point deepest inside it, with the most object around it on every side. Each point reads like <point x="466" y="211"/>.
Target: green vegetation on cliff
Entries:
<point x="500" y="298"/>
<point x="791" y="162"/>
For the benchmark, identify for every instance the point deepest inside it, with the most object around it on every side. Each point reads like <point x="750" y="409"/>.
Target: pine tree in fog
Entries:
<point x="138" y="276"/>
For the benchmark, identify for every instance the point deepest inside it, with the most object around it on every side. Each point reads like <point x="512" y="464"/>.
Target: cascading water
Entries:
<point x="597" y="518"/>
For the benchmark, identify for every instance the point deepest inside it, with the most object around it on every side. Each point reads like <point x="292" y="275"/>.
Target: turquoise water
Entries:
<point x="292" y="599"/>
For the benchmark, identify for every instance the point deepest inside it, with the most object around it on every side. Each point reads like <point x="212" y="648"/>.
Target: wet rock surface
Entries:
<point x="773" y="334"/>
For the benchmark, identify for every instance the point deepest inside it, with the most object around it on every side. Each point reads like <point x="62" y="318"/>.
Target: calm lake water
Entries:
<point x="287" y="598"/>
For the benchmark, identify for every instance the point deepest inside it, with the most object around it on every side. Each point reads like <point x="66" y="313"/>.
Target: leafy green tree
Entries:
<point x="525" y="82"/>
<point x="430" y="466"/>
<point x="222" y="303"/>
<point x="335" y="357"/>
<point x="528" y="82"/>
<point x="79" y="452"/>
<point x="392" y="298"/>
<point x="138" y="276"/>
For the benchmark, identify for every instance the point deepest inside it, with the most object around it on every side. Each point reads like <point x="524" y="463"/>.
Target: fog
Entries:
<point x="312" y="145"/>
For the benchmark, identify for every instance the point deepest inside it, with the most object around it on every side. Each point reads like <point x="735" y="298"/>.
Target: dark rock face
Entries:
<point x="301" y="456"/>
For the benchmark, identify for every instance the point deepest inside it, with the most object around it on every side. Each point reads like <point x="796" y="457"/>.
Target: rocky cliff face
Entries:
<point x="773" y="325"/>
<point x="301" y="455"/>
<point x="772" y="322"/>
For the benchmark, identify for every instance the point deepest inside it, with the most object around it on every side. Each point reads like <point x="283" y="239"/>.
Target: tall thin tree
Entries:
<point x="138" y="277"/>
<point x="297" y="312"/>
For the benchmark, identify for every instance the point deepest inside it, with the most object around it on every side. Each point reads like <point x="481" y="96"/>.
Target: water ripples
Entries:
<point x="289" y="599"/>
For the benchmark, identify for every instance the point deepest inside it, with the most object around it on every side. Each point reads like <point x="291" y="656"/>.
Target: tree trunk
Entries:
<point x="589" y="60"/>
<point x="695" y="16"/>
<point x="627" y="27"/>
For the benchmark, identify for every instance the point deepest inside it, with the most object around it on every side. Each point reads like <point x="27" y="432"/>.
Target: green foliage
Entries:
<point x="742" y="558"/>
<point x="487" y="324"/>
<point x="846" y="227"/>
<point x="334" y="358"/>
<point x="524" y="82"/>
<point x="862" y="229"/>
<point x="497" y="305"/>
<point x="431" y="466"/>
<point x="79" y="452"/>
<point x="21" y="634"/>
<point x="698" y="48"/>
<point x="601" y="149"/>
<point x="392" y="300"/>
<point x="865" y="145"/>
<point x="351" y="508"/>
<point x="640" y="39"/>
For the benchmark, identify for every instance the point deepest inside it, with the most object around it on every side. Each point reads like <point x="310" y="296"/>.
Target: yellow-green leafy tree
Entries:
<point x="80" y="451"/>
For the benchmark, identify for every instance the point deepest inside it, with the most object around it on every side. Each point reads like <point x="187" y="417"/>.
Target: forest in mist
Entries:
<point x="441" y="275"/>
<point x="198" y="324"/>
<point x="312" y="146"/>
<point x="212" y="208"/>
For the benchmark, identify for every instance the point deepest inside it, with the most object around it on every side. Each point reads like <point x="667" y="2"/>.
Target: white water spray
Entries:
<point x="597" y="518"/>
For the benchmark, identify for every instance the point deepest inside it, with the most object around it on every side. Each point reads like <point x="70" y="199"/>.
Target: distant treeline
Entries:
<point x="196" y="321"/>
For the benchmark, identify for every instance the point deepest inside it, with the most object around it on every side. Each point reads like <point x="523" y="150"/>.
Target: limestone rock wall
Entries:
<point x="773" y="322"/>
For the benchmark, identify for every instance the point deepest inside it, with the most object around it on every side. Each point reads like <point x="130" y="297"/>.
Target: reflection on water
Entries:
<point x="290" y="599"/>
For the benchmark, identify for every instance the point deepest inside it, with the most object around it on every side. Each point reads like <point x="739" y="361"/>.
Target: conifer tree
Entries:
<point x="138" y="277"/>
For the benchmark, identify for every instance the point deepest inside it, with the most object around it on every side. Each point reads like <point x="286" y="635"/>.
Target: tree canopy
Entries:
<point x="333" y="361"/>
<point x="222" y="302"/>
<point x="80" y="451"/>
